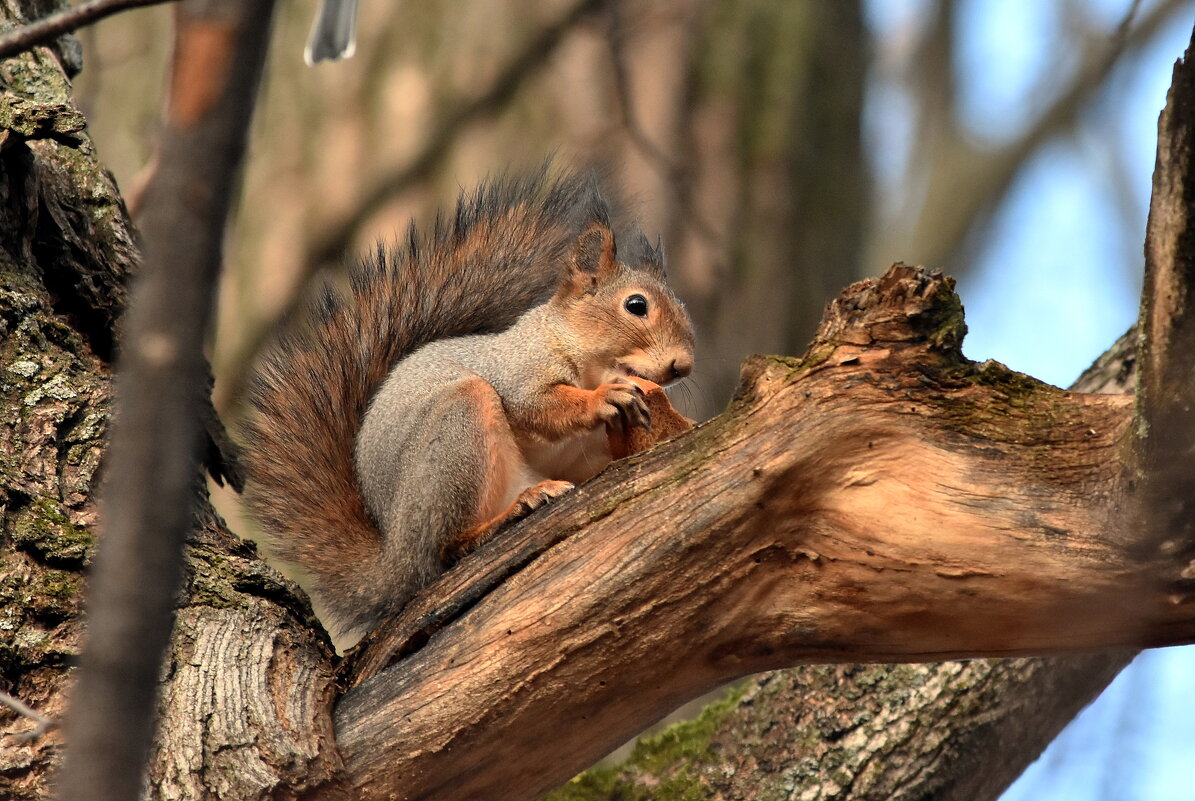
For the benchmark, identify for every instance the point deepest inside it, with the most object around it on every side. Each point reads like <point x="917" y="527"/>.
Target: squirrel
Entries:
<point x="466" y="378"/>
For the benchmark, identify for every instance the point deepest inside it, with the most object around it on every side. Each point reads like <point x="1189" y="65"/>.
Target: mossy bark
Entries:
<point x="67" y="247"/>
<point x="247" y="655"/>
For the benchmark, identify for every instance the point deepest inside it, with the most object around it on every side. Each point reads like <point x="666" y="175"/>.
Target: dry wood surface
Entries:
<point x="881" y="499"/>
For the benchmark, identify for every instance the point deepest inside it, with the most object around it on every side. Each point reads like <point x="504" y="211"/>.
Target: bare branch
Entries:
<point x="152" y="471"/>
<point x="65" y="21"/>
<point x="44" y="724"/>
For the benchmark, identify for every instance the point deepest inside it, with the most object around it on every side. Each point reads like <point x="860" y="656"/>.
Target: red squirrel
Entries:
<point x="464" y="380"/>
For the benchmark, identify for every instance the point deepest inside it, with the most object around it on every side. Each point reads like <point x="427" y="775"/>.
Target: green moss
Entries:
<point x="33" y="120"/>
<point x="944" y="319"/>
<point x="684" y="742"/>
<point x="43" y="528"/>
<point x="816" y="356"/>
<point x="31" y="603"/>
<point x="669" y="758"/>
<point x="1007" y="407"/>
<point x="54" y="596"/>
<point x="606" y="783"/>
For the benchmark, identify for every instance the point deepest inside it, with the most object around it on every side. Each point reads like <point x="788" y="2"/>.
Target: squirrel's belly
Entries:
<point x="575" y="458"/>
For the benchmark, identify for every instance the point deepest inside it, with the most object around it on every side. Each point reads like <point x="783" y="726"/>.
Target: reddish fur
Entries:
<point x="501" y="253"/>
<point x="565" y="410"/>
<point x="528" y="500"/>
<point x="502" y="460"/>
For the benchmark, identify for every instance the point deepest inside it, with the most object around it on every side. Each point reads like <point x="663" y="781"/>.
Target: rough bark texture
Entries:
<point x="878" y="732"/>
<point x="1167" y="399"/>
<point x="259" y="730"/>
<point x="244" y="707"/>
<point x="66" y="250"/>
<point x="782" y="735"/>
<point x="881" y="499"/>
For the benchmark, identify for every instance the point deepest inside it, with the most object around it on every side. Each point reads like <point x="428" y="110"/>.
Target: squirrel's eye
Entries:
<point x="636" y="305"/>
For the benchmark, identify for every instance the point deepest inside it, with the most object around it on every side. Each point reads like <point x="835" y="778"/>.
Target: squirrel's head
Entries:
<point x="625" y="321"/>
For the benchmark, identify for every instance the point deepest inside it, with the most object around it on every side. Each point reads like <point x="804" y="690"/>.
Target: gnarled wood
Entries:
<point x="881" y="499"/>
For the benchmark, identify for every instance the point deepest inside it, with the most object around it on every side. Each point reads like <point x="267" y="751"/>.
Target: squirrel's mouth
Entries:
<point x="631" y="372"/>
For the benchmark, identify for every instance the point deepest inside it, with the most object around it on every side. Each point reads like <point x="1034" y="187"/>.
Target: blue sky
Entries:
<point x="1055" y="281"/>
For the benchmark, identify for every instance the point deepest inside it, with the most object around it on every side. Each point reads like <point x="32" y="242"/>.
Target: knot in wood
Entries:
<point x="907" y="305"/>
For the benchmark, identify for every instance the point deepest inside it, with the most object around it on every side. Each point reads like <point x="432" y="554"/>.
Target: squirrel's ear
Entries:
<point x="594" y="258"/>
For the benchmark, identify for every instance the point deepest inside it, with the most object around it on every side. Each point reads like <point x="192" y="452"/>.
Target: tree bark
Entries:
<point x="780" y="735"/>
<point x="247" y="691"/>
<point x="881" y="499"/>
<point x="66" y="250"/>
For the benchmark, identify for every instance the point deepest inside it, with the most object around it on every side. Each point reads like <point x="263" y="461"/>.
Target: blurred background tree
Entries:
<point x="782" y="148"/>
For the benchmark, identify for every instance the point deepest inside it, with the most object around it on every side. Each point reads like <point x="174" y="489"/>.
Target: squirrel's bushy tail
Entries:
<point x="501" y="253"/>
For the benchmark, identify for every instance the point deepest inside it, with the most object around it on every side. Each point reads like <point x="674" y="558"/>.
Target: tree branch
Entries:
<point x="42" y="724"/>
<point x="880" y="500"/>
<point x="65" y="21"/>
<point x="1167" y="396"/>
<point x="891" y="732"/>
<point x="948" y="212"/>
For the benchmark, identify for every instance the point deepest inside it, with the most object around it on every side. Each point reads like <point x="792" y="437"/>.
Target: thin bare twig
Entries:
<point x="71" y="19"/>
<point x="44" y="724"/>
<point x="1126" y="22"/>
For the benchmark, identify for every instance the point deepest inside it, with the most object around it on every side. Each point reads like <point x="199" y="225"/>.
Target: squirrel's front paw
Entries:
<point x="622" y="403"/>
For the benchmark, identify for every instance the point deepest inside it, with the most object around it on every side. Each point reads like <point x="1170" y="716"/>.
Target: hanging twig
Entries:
<point x="71" y="19"/>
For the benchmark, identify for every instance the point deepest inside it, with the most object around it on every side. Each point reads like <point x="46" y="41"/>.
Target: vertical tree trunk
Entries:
<point x="247" y="691"/>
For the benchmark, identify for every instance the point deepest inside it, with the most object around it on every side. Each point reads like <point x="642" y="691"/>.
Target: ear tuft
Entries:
<point x="641" y="254"/>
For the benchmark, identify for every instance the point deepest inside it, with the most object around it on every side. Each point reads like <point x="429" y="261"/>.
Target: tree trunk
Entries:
<point x="247" y="690"/>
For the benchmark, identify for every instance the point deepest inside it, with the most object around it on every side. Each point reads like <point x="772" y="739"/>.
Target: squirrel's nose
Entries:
<point x="680" y="368"/>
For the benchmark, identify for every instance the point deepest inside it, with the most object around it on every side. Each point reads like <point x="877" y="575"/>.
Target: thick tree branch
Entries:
<point x="881" y="499"/>
<point x="1167" y="397"/>
<point x="951" y="731"/>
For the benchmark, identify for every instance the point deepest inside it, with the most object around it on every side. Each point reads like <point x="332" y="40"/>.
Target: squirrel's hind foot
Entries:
<point x="524" y="504"/>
